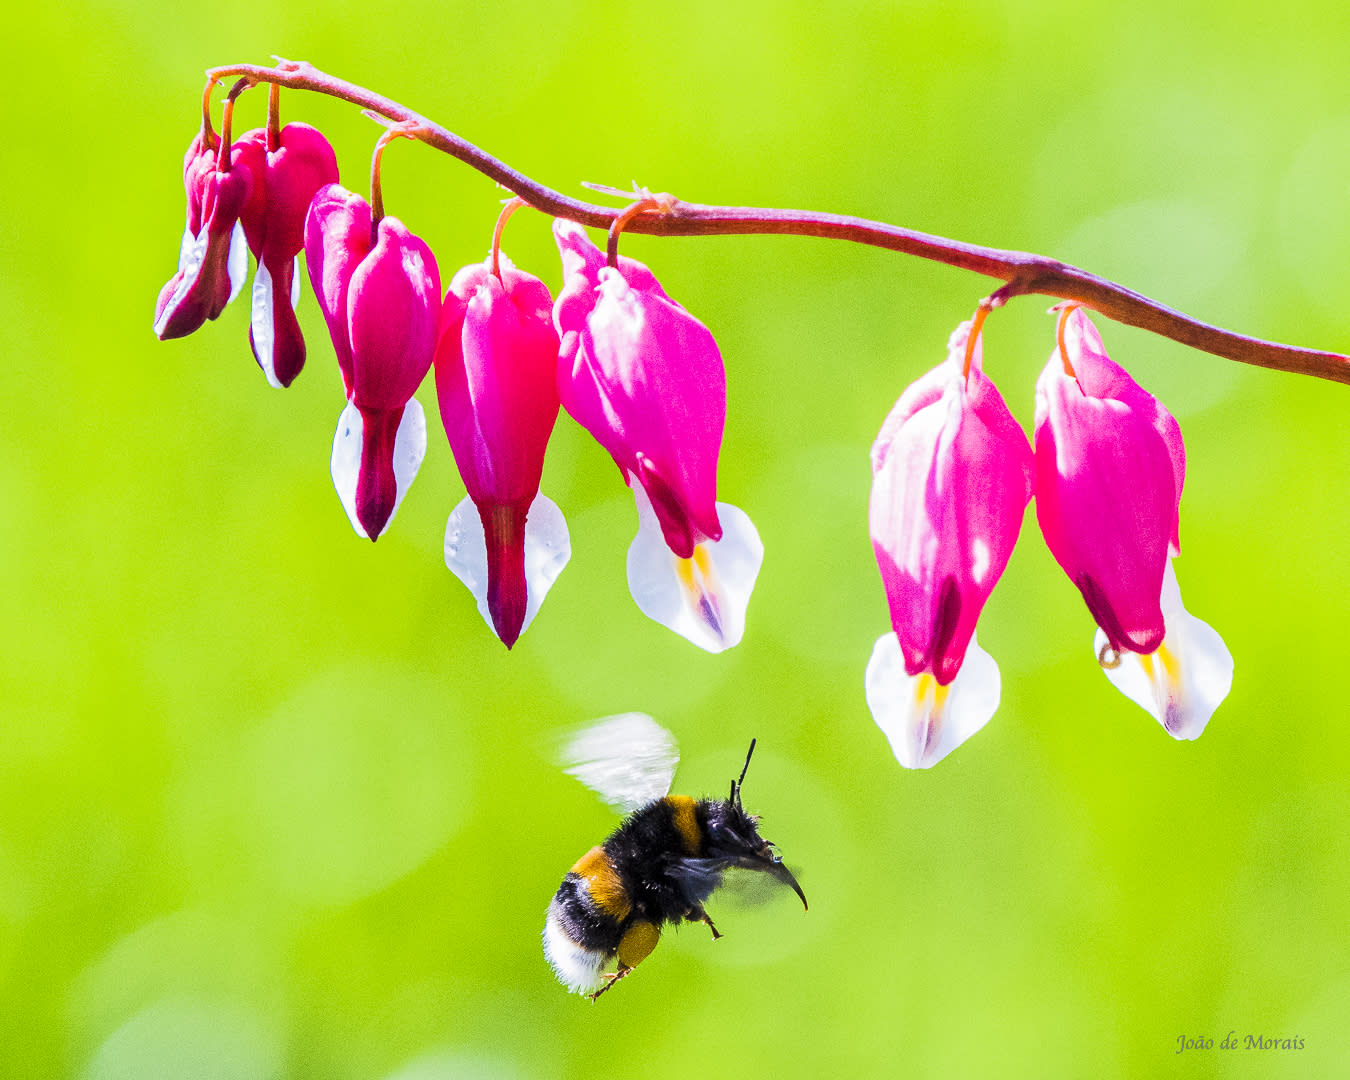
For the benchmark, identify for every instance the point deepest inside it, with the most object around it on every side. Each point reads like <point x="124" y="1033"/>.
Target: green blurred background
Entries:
<point x="274" y="803"/>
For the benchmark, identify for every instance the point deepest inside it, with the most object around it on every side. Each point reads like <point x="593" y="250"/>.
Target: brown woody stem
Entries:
<point x="1022" y="272"/>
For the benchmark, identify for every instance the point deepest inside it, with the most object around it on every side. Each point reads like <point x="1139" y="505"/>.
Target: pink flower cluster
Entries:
<point x="632" y="366"/>
<point x="952" y="474"/>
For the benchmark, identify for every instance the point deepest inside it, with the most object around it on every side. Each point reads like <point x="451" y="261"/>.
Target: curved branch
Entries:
<point x="1022" y="272"/>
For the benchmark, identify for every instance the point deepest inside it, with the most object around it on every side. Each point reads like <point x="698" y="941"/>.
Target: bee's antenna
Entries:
<point x="736" y="784"/>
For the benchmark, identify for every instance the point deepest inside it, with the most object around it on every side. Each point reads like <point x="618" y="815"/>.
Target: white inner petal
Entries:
<point x="260" y="319"/>
<point x="190" y="257"/>
<point x="547" y="549"/>
<point x="295" y="282"/>
<point x="923" y="721"/>
<point x="185" y="248"/>
<point x="346" y="464"/>
<point x="237" y="262"/>
<point x="704" y="598"/>
<point x="1185" y="679"/>
<point x="410" y="447"/>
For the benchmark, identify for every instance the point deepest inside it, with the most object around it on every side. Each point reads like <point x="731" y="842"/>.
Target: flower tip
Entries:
<point x="507" y="589"/>
<point x="702" y="598"/>
<point x="1184" y="680"/>
<point x="376" y="455"/>
<point x="508" y="633"/>
<point x="923" y="720"/>
<point x="510" y="582"/>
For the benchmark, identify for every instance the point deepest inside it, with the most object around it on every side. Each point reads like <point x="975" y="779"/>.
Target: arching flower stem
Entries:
<point x="1065" y="310"/>
<point x="273" y="118"/>
<point x="226" y="123"/>
<point x="208" y="132"/>
<point x="508" y="208"/>
<point x="406" y="130"/>
<point x="1022" y="272"/>
<point x="973" y="337"/>
<point x="663" y="203"/>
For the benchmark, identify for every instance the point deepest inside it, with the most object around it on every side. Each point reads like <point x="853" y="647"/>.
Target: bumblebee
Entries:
<point x="657" y="867"/>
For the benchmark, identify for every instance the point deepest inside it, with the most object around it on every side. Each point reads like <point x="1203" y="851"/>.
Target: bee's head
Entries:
<point x="732" y="834"/>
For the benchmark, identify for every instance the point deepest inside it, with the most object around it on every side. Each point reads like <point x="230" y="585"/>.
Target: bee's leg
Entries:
<point x="610" y="979"/>
<point x="638" y="940"/>
<point x="699" y="915"/>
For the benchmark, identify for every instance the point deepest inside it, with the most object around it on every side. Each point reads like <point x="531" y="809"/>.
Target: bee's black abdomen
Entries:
<point x="582" y="919"/>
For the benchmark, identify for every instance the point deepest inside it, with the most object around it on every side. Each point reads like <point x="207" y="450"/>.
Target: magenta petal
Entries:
<point x="202" y="286"/>
<point x="376" y="486"/>
<point x="1109" y="465"/>
<point x="337" y="238"/>
<point x="285" y="182"/>
<point x="951" y="480"/>
<point x="495" y="381"/>
<point x="504" y="535"/>
<point x="645" y="378"/>
<point x="290" y="175"/>
<point x="274" y="331"/>
<point x="393" y="305"/>
<point x="1100" y="376"/>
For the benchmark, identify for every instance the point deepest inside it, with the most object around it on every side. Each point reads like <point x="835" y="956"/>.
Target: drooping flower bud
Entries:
<point x="380" y="297"/>
<point x="213" y="256"/>
<point x="498" y="397"/>
<point x="951" y="478"/>
<point x="288" y="177"/>
<point x="1109" y="471"/>
<point x="645" y="378"/>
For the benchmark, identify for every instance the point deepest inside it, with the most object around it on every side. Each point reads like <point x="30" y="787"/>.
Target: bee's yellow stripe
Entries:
<point x="686" y="823"/>
<point x="603" y="883"/>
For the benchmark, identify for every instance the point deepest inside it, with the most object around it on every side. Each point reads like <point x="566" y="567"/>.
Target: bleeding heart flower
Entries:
<point x="213" y="256"/>
<point x="1109" y="471"/>
<point x="379" y="290"/>
<point x="951" y="478"/>
<point x="498" y="397"/>
<point x="1110" y="466"/>
<point x="288" y="175"/>
<point x="645" y="378"/>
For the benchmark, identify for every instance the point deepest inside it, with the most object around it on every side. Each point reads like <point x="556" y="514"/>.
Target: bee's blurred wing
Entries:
<point x="628" y="759"/>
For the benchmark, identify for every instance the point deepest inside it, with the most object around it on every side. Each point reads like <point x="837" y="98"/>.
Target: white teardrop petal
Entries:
<point x="924" y="722"/>
<point x="466" y="553"/>
<point x="548" y="547"/>
<point x="410" y="447"/>
<point x="295" y="282"/>
<point x="1185" y="679"/>
<point x="237" y="261"/>
<point x="704" y="598"/>
<point x="346" y="464"/>
<point x="260" y="322"/>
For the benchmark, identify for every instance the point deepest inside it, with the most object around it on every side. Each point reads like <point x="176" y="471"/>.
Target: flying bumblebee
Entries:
<point x="657" y="867"/>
